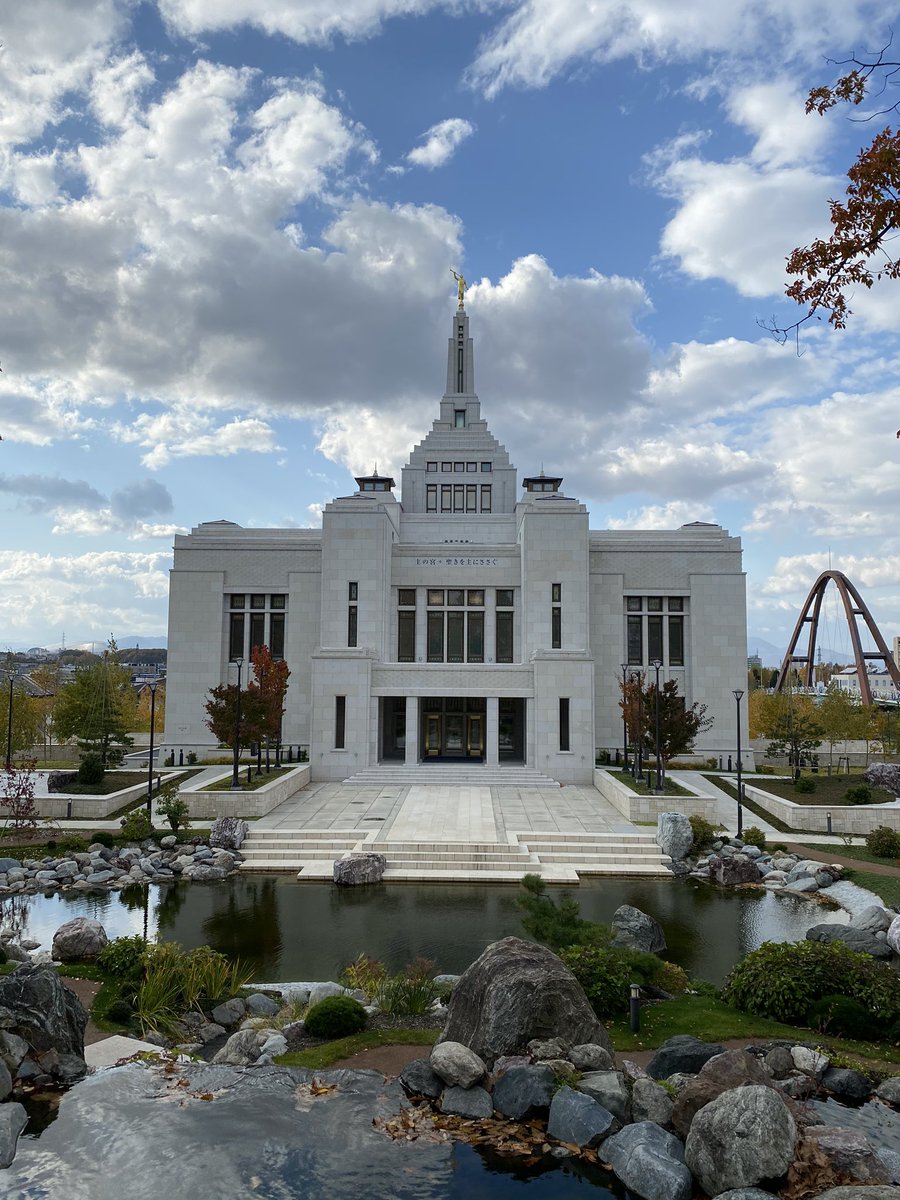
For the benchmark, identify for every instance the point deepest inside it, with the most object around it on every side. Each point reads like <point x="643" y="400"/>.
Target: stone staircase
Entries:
<point x="558" y="858"/>
<point x="450" y="775"/>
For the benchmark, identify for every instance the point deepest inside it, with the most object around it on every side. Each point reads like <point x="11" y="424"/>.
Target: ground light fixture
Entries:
<point x="656" y="665"/>
<point x="235" y="782"/>
<point x="738" y="695"/>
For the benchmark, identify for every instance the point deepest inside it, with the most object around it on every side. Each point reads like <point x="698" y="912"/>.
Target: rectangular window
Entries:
<point x="476" y="597"/>
<point x="485" y="497"/>
<point x="353" y="592"/>
<point x="430" y="466"/>
<point x="236" y="636"/>
<point x="459" y="417"/>
<point x="654" y="604"/>
<point x="676" y="641"/>
<point x="257" y="630"/>
<point x="276" y="635"/>
<point x="257" y="602"/>
<point x="446" y="497"/>
<point x="340" y="722"/>
<point x="435" y="632"/>
<point x="431" y="497"/>
<point x="471" y="498"/>
<point x="475" y="637"/>
<point x="654" y="638"/>
<point x="406" y="636"/>
<point x="445" y="466"/>
<point x="435" y="596"/>
<point x="459" y="497"/>
<point x="459" y="467"/>
<point x="635" y="641"/>
<point x="351" y="625"/>
<point x="504" y="597"/>
<point x="504" y="637"/>
<point x="456" y="598"/>
<point x="238" y="600"/>
<point x="555" y="628"/>
<point x="676" y="604"/>
<point x="563" y="723"/>
<point x="406" y="597"/>
<point x="486" y="466"/>
<point x="633" y="603"/>
<point x="471" y="466"/>
<point x="556" y="593"/>
<point x="277" y="602"/>
<point x="455" y="624"/>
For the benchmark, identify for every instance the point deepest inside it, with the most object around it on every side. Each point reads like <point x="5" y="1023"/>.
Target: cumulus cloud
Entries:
<point x="440" y="143"/>
<point x="696" y="470"/>
<point x="663" y="516"/>
<point x="78" y="508"/>
<point x="143" y="498"/>
<point x="48" y="493"/>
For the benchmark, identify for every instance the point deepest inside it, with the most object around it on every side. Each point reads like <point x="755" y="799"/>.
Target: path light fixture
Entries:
<point x="656" y="665"/>
<point x="152" y="686"/>
<point x="738" y="694"/>
<point x="235" y="781"/>
<point x="624" y="667"/>
<point x="634" y="1006"/>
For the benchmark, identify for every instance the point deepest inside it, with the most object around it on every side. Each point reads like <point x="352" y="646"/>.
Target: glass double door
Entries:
<point x="453" y="727"/>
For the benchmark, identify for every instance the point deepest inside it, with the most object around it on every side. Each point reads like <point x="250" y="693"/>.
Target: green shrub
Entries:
<point x="556" y="925"/>
<point x="123" y="957"/>
<point x="861" y="793"/>
<point x="173" y="808"/>
<point x="90" y="769"/>
<point x="364" y="974"/>
<point x="71" y="843"/>
<point x="191" y="758"/>
<point x="804" y="784"/>
<point x="605" y="975"/>
<point x="409" y="994"/>
<point x="754" y="837"/>
<point x="841" y="1015"/>
<point x="783" y="980"/>
<point x="704" y="831"/>
<point x="672" y="978"/>
<point x="136" y="825"/>
<point x="335" y="1017"/>
<point x="103" y="838"/>
<point x="120" y="1012"/>
<point x="883" y="842"/>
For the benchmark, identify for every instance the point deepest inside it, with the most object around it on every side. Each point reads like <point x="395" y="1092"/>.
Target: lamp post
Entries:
<point x="639" y="760"/>
<point x="235" y="782"/>
<point x="624" y="667"/>
<point x="152" y="687"/>
<point x="656" y="665"/>
<point x="738" y="693"/>
<point x="9" y="716"/>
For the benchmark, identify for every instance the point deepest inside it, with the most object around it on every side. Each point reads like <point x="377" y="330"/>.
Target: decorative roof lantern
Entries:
<point x="374" y="482"/>
<point x="542" y="483"/>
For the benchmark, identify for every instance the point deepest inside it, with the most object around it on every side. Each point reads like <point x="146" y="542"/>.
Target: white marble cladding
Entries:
<point x="452" y="679"/>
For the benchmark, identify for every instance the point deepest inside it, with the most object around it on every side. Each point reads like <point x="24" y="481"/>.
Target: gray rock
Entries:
<point x="467" y="1102"/>
<point x="889" y="1091"/>
<point x="608" y="1088"/>
<point x="99" y="877"/>
<point x="824" y="879"/>
<point x="855" y="1191"/>
<point x="16" y="953"/>
<point x="78" y="939"/>
<point x="752" y="1193"/>
<point x="545" y="1048"/>
<point x="241" y="1049"/>
<point x="861" y="940"/>
<point x="262" y="1006"/>
<point x="203" y="873"/>
<point x="674" y="835"/>
<point x="578" y="1119"/>
<point x="891" y="1162"/>
<point x="38" y="1009"/>
<point x="847" y="1084"/>
<point x="636" y="930"/>
<point x="322" y="991"/>
<point x="798" y="1085"/>
<point x="457" y="1065"/>
<point x="731" y="1069"/>
<point x="169" y="841"/>
<point x="809" y="1060"/>
<point x="893" y="935"/>
<point x="9" y="864"/>
<point x="5" y="1081"/>
<point x="741" y="1138"/>
<point x="13" y="1119"/>
<point x="229" y="1013"/>
<point x="514" y="992"/>
<point x="521" y="1090"/>
<point x="650" y="1102"/>
<point x="12" y="1049"/>
<point x="730" y="871"/>
<point x="228" y="833"/>
<point x="848" y="1151"/>
<point x="779" y="1062"/>
<point x="418" y="1079"/>
<point x="67" y="869"/>
<point x="275" y="1044"/>
<point x="803" y="883"/>
<point x="209" y="1032"/>
<point x="590" y="1057"/>
<point x="681" y="1054"/>
<point x="650" y="1162"/>
<point x="359" y="869"/>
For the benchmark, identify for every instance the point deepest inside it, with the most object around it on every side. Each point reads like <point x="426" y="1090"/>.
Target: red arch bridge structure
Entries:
<point x="854" y="608"/>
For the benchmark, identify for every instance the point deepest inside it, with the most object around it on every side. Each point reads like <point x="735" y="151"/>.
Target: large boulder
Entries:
<point x="228" y="833"/>
<point x="650" y="1162"/>
<point x="579" y="1120"/>
<point x="650" y="1101"/>
<point x="893" y="935"/>
<point x="242" y="1048"/>
<point x="741" y="1138"/>
<point x="608" y="1088"/>
<point x="514" y="992"/>
<point x="674" y="835"/>
<point x="849" y="1154"/>
<point x="473" y="1103"/>
<point x="681" y="1055"/>
<point x="861" y="940"/>
<point x="457" y="1065"/>
<point x="854" y="1191"/>
<point x="873" y="919"/>
<point x="13" y="1119"/>
<point x="79" y="939"/>
<point x="522" y="1089"/>
<point x="734" y="869"/>
<point x="636" y="930"/>
<point x="42" y="1023"/>
<point x="358" y="869"/>
<point x="733" y="1069"/>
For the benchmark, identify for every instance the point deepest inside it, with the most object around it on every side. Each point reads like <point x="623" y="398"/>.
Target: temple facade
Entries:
<point x="478" y="619"/>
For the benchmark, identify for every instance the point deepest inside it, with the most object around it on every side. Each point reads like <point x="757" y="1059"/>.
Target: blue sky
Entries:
<point x="226" y="228"/>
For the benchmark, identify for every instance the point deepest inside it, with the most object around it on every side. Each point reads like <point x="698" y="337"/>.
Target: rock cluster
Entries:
<point x="100" y="868"/>
<point x="731" y="862"/>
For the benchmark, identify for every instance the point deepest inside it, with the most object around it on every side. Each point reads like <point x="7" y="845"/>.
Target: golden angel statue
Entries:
<point x="461" y="286"/>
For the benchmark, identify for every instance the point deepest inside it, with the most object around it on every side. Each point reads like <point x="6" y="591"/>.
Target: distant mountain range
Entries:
<point x="772" y="655"/>
<point x="128" y="642"/>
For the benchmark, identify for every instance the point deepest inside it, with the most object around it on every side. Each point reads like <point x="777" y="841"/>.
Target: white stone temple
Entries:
<point x="477" y="619"/>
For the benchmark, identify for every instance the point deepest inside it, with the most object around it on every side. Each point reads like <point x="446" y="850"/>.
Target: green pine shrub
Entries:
<point x="103" y="838"/>
<point x="804" y="784"/>
<point x="883" y="842"/>
<point x="754" y="837"/>
<point x="120" y="1012"/>
<point x="841" y="1015"/>
<point x="336" y="1017"/>
<point x="72" y="843"/>
<point x="556" y="925"/>
<point x="704" y="831"/>
<point x="861" y="793"/>
<point x="90" y="769"/>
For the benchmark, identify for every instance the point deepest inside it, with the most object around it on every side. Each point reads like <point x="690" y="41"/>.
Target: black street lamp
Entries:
<point x="639" y="761"/>
<point x="235" y="782"/>
<point x="738" y="693"/>
<point x="624" y="716"/>
<point x="9" y="716"/>
<point x="656" y="665"/>
<point x="152" y="687"/>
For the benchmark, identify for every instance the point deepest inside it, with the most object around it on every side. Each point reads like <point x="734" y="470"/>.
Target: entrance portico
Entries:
<point x="447" y="729"/>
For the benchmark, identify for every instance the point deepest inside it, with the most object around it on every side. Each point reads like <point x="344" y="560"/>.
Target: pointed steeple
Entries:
<point x="460" y="395"/>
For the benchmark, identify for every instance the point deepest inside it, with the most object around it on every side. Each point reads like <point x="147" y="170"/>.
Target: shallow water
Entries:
<point x="289" y="930"/>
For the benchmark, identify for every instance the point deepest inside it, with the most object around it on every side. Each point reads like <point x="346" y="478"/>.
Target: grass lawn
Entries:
<point x="749" y="805"/>
<point x="644" y="788"/>
<point x="856" y="852"/>
<point x="256" y="781"/>
<point x="319" y="1057"/>
<point x="830" y="789"/>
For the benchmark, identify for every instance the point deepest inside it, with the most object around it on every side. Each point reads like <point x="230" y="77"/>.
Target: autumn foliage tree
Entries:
<point x="679" y="724"/>
<point x="262" y="703"/>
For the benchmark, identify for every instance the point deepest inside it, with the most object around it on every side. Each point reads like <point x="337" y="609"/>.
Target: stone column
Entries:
<point x="492" y="732"/>
<point x="412" y="730"/>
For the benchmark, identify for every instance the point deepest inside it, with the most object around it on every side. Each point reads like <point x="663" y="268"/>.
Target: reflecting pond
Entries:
<point x="294" y="931"/>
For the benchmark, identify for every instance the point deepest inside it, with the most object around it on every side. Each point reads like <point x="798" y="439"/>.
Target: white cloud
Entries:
<point x="663" y="516"/>
<point x="116" y="88"/>
<point x="182" y="433"/>
<point x="675" y="466"/>
<point x="440" y="143"/>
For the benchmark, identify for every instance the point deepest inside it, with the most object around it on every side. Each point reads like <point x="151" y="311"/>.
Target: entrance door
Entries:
<point x="432" y="734"/>
<point x="453" y="733"/>
<point x="475" y="735"/>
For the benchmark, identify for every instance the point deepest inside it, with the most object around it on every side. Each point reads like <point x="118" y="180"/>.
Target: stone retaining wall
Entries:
<point x="61" y="806"/>
<point x="858" y="819"/>
<point x="207" y="805"/>
<point x="635" y="807"/>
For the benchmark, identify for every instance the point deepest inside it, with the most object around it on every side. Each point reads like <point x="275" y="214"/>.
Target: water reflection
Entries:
<point x="289" y="930"/>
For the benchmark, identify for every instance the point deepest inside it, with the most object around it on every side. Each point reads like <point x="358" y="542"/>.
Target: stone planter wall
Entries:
<point x="858" y="819"/>
<point x="61" y="806"/>
<point x="206" y="805"/>
<point x="647" y="808"/>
